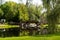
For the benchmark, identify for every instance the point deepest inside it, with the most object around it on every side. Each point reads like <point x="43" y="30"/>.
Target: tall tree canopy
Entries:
<point x="52" y="13"/>
<point x="10" y="10"/>
<point x="21" y="12"/>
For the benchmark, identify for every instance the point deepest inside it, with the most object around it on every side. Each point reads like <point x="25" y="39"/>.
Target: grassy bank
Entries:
<point x="51" y="37"/>
<point x="7" y="26"/>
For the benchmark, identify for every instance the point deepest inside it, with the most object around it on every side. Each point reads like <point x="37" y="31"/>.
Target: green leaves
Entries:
<point x="23" y="12"/>
<point x="1" y="13"/>
<point x="10" y="10"/>
<point x="52" y="7"/>
<point x="34" y="12"/>
<point x="20" y="12"/>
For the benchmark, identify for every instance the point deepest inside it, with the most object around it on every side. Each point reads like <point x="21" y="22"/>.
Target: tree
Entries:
<point x="34" y="12"/>
<point x="10" y="10"/>
<point x="23" y="13"/>
<point x="52" y="15"/>
<point x="1" y="13"/>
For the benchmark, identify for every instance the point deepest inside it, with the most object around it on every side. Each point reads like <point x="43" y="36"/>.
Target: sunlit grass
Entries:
<point x="51" y="37"/>
<point x="8" y="26"/>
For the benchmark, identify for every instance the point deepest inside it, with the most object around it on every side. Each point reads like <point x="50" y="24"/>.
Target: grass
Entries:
<point x="7" y="26"/>
<point x="37" y="37"/>
<point x="44" y="37"/>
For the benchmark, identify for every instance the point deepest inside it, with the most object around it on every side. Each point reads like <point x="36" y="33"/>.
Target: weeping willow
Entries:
<point x="53" y="10"/>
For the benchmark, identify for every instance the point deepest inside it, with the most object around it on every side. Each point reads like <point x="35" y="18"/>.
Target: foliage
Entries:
<point x="34" y="12"/>
<point x="1" y="13"/>
<point x="52" y="13"/>
<point x="9" y="9"/>
<point x="20" y="12"/>
<point x="23" y="13"/>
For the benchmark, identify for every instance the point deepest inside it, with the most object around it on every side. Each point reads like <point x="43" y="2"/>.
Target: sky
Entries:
<point x="36" y="2"/>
